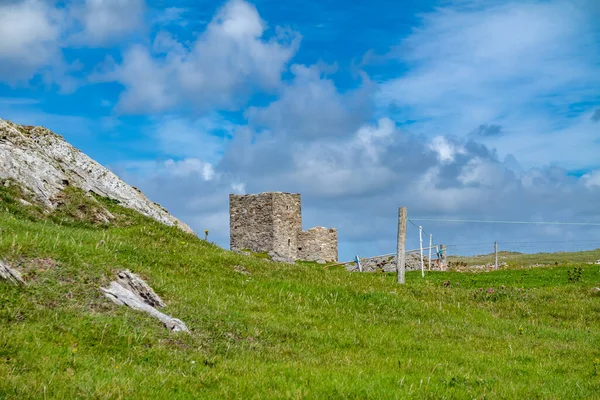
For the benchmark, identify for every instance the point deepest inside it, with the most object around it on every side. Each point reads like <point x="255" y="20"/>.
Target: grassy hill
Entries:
<point x="267" y="330"/>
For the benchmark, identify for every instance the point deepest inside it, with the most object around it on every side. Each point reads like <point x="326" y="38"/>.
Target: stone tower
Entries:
<point x="265" y="222"/>
<point x="272" y="222"/>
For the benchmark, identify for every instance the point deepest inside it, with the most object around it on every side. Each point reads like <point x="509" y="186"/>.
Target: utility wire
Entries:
<point x="507" y="222"/>
<point x="417" y="226"/>
<point x="537" y="242"/>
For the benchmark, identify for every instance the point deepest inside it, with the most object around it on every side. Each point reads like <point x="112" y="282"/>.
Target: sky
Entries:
<point x="465" y="109"/>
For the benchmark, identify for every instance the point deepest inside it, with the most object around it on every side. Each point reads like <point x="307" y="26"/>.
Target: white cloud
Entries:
<point x="104" y="22"/>
<point x="310" y="106"/>
<point x="591" y="179"/>
<point x="190" y="166"/>
<point x="516" y="65"/>
<point x="30" y="32"/>
<point x="226" y="63"/>
<point x="35" y="33"/>
<point x="444" y="148"/>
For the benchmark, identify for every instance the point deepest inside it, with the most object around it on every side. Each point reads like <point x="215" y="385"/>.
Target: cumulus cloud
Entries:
<point x="30" y="32"/>
<point x="311" y="106"/>
<point x="104" y="22"/>
<point x="476" y="66"/>
<point x="228" y="61"/>
<point x="35" y="34"/>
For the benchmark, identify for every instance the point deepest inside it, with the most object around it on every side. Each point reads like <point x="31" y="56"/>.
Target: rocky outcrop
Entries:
<point x="46" y="164"/>
<point x="131" y="291"/>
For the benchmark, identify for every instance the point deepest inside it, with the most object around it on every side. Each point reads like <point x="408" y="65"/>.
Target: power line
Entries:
<point x="528" y="242"/>
<point x="417" y="226"/>
<point x="507" y="222"/>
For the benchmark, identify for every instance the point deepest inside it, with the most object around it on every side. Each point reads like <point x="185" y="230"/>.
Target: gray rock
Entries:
<point x="133" y="292"/>
<point x="10" y="274"/>
<point x="321" y="262"/>
<point x="24" y="202"/>
<point x="46" y="164"/>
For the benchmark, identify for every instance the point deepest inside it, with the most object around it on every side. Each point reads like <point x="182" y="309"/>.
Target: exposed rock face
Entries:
<point x="46" y="164"/>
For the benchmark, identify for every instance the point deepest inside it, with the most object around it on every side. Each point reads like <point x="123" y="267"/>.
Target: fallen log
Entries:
<point x="133" y="292"/>
<point x="11" y="275"/>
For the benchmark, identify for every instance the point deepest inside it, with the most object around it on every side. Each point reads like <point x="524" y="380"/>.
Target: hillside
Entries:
<point x="267" y="330"/>
<point x="44" y="164"/>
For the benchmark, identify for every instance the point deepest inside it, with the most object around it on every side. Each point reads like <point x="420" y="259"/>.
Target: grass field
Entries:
<point x="266" y="330"/>
<point x="516" y="259"/>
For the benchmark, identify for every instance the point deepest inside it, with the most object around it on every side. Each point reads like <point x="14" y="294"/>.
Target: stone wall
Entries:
<point x="318" y="244"/>
<point x="251" y="222"/>
<point x="388" y="263"/>
<point x="287" y="222"/>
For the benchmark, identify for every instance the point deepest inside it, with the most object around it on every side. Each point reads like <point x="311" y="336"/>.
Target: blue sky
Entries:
<point x="456" y="109"/>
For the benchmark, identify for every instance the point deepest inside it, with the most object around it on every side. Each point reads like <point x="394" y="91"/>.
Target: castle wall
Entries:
<point x="318" y="244"/>
<point x="287" y="222"/>
<point x="251" y="222"/>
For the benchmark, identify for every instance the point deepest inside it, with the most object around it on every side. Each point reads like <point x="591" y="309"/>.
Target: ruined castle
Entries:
<point x="272" y="222"/>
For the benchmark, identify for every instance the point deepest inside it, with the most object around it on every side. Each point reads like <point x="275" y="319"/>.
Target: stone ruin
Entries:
<point x="271" y="222"/>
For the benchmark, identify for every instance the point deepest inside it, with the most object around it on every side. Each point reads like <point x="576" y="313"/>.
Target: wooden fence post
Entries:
<point x="400" y="251"/>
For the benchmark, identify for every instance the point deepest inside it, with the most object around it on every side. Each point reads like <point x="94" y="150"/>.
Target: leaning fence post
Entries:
<point x="400" y="250"/>
<point x="357" y="261"/>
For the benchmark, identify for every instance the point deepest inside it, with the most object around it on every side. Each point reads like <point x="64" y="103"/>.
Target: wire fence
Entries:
<point x="480" y="241"/>
<point x="447" y="243"/>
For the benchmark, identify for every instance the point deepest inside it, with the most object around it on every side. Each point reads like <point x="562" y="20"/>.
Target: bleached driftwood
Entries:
<point x="10" y="274"/>
<point x="133" y="292"/>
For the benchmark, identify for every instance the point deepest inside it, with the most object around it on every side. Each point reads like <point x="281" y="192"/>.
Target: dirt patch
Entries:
<point x="241" y="270"/>
<point x="31" y="267"/>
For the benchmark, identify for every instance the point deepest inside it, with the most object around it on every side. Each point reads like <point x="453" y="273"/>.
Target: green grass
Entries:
<point x="515" y="259"/>
<point x="277" y="331"/>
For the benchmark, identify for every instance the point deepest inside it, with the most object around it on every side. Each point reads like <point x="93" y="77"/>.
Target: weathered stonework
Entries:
<point x="272" y="223"/>
<point x="265" y="222"/>
<point x="287" y="222"/>
<point x="318" y="244"/>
